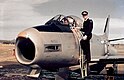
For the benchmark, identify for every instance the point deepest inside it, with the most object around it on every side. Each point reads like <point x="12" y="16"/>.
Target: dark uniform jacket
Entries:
<point x="87" y="28"/>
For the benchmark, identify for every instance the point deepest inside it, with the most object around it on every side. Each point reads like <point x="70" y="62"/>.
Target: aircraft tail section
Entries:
<point x="106" y="29"/>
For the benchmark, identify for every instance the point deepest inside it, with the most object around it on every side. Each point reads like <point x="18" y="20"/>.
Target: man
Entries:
<point x="65" y="21"/>
<point x="87" y="35"/>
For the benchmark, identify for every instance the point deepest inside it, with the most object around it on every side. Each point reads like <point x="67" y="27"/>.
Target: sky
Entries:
<point x="17" y="15"/>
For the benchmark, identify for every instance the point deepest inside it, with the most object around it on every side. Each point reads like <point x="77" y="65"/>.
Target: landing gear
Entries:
<point x="35" y="72"/>
<point x="111" y="71"/>
<point x="62" y="74"/>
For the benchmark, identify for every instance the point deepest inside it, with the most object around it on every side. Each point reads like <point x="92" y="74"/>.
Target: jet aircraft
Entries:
<point x="56" y="46"/>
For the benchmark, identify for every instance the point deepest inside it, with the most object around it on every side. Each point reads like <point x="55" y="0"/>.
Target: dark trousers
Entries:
<point x="85" y="45"/>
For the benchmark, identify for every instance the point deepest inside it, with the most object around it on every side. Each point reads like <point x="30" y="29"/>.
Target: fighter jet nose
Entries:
<point x="25" y="49"/>
<point x="23" y="34"/>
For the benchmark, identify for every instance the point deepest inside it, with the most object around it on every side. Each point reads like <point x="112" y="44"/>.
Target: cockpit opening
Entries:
<point x="72" y="21"/>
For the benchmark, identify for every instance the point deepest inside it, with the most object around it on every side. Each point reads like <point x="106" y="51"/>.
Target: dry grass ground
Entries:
<point x="7" y="53"/>
<point x="11" y="69"/>
<point x="11" y="65"/>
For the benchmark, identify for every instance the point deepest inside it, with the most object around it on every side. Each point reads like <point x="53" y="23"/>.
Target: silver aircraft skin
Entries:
<point x="57" y="45"/>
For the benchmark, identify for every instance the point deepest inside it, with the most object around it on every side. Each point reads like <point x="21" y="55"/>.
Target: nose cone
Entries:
<point x="26" y="42"/>
<point x="23" y="34"/>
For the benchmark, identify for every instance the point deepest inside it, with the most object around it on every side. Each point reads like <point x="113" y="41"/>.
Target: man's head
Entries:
<point x="65" y="21"/>
<point x="85" y="15"/>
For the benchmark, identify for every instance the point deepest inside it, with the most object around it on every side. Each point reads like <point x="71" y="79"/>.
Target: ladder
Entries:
<point x="84" y="65"/>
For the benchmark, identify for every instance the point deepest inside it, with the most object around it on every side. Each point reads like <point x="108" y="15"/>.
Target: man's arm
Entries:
<point x="89" y="28"/>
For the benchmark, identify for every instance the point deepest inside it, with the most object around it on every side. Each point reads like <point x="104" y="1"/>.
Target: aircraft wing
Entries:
<point x="113" y="59"/>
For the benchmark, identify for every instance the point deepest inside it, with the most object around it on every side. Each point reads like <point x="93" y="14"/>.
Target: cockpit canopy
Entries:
<point x="72" y="21"/>
<point x="60" y="23"/>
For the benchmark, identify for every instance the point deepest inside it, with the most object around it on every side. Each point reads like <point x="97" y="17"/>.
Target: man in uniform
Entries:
<point x="87" y="35"/>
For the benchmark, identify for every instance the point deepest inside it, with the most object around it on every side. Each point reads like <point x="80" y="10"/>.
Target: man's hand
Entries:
<point x="84" y="37"/>
<point x="78" y="28"/>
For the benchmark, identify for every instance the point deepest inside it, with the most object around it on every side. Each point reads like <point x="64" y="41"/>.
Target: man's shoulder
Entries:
<point x="90" y="20"/>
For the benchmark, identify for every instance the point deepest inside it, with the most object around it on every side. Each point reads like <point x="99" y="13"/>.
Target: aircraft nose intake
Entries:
<point x="25" y="49"/>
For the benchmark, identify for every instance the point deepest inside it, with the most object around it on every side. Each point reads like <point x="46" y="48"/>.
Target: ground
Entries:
<point x="10" y="69"/>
